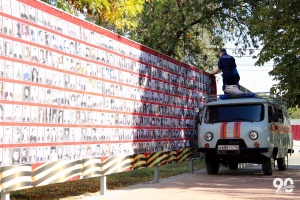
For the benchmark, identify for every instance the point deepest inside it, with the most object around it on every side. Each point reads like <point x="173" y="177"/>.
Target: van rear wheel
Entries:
<point x="282" y="163"/>
<point x="268" y="166"/>
<point x="212" y="164"/>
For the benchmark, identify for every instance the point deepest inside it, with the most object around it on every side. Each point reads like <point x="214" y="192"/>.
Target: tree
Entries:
<point x="180" y="29"/>
<point x="274" y="25"/>
<point x="294" y="113"/>
<point x="184" y="28"/>
<point x="281" y="42"/>
<point x="116" y="14"/>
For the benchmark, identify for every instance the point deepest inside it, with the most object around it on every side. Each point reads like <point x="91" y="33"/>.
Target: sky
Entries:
<point x="254" y="78"/>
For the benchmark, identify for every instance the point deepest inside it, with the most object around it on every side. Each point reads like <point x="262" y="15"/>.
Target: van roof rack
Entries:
<point x="229" y="96"/>
<point x="261" y="95"/>
<point x="270" y="97"/>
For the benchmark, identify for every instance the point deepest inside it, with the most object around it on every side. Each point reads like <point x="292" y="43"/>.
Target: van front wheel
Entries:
<point x="212" y="164"/>
<point x="282" y="163"/>
<point x="268" y="166"/>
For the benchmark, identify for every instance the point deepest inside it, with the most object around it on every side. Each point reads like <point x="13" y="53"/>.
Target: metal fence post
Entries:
<point x="5" y="195"/>
<point x="102" y="185"/>
<point x="156" y="174"/>
<point x="191" y="165"/>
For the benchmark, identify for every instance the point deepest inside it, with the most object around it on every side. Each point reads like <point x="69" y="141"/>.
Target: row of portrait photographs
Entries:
<point x="187" y="97"/>
<point x="19" y="92"/>
<point x="141" y="134"/>
<point x="144" y="147"/>
<point x="45" y="56"/>
<point x="24" y="72"/>
<point x="27" y="155"/>
<point x="42" y="56"/>
<point x="168" y="105"/>
<point x="18" y="50"/>
<point x="33" y="34"/>
<point x="36" y="54"/>
<point x="34" y="134"/>
<point x="34" y="114"/>
<point x="26" y="93"/>
<point x="47" y="20"/>
<point x="180" y="89"/>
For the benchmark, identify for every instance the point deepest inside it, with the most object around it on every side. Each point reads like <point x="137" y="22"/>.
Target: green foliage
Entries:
<point x="294" y="112"/>
<point x="118" y="14"/>
<point x="180" y="29"/>
<point x="275" y="26"/>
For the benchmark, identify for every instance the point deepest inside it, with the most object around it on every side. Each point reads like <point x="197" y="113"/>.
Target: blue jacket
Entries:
<point x="227" y="64"/>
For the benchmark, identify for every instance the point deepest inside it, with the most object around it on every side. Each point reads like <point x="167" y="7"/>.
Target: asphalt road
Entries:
<point x="246" y="183"/>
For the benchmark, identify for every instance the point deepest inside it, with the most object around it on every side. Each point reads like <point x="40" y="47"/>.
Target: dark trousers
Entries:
<point x="230" y="79"/>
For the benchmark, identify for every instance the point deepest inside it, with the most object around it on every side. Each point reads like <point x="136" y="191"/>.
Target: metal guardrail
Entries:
<point x="242" y="88"/>
<point x="265" y="95"/>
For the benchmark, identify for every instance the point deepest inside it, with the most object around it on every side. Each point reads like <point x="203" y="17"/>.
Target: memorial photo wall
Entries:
<point x="73" y="90"/>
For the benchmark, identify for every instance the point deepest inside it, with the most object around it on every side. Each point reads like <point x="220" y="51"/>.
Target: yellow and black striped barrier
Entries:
<point x="25" y="176"/>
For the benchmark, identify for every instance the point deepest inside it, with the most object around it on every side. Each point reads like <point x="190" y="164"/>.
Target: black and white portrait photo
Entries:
<point x="17" y="29"/>
<point x="17" y="50"/>
<point x="26" y="93"/>
<point x="25" y="32"/>
<point x="41" y="36"/>
<point x="32" y="14"/>
<point x="8" y="48"/>
<point x="7" y="26"/>
<point x="9" y="70"/>
<point x="34" y="94"/>
<point x="34" y="54"/>
<point x="26" y="113"/>
<point x="18" y="113"/>
<point x="35" y="75"/>
<point x="8" y="89"/>
<point x="23" y="11"/>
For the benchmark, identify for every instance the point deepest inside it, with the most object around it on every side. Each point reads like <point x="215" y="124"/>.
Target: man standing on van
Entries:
<point x="227" y="65"/>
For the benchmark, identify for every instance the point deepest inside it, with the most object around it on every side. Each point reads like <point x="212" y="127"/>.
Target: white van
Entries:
<point x="245" y="128"/>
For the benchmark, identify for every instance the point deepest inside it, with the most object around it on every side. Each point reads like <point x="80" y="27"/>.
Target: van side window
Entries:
<point x="285" y="118"/>
<point x="270" y="113"/>
<point x="280" y="116"/>
<point x="211" y="115"/>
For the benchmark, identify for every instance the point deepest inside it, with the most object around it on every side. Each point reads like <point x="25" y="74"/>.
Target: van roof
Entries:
<point x="237" y="101"/>
<point x="243" y="98"/>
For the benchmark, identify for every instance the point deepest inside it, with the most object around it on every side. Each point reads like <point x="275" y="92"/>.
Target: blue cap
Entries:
<point x="223" y="50"/>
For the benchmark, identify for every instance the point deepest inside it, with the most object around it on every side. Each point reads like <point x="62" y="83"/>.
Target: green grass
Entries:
<point x="92" y="185"/>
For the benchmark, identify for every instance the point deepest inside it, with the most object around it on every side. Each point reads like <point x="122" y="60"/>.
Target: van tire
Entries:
<point x="268" y="166"/>
<point x="233" y="165"/>
<point x="212" y="164"/>
<point x="282" y="163"/>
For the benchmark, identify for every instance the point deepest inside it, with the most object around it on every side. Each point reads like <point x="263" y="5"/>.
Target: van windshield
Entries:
<point x="234" y="113"/>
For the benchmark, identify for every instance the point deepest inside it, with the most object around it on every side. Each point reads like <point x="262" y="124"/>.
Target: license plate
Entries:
<point x="228" y="147"/>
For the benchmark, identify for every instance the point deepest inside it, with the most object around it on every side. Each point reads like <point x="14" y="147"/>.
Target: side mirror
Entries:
<point x="198" y="116"/>
<point x="275" y="117"/>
